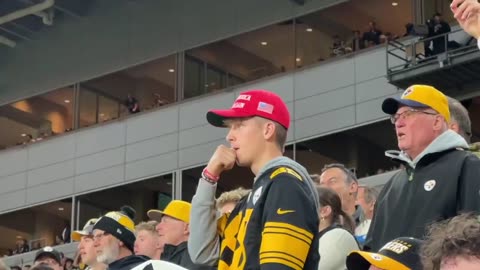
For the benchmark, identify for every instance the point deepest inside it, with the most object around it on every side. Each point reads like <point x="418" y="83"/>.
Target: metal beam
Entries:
<point x="14" y="33"/>
<point x="10" y="43"/>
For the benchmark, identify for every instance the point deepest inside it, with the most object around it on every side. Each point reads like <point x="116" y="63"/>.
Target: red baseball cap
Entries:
<point x="253" y="103"/>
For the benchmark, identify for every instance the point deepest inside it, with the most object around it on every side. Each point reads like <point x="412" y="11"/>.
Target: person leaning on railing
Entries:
<point x="467" y="13"/>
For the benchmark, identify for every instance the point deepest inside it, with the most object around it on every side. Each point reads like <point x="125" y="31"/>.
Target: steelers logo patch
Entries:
<point x="429" y="185"/>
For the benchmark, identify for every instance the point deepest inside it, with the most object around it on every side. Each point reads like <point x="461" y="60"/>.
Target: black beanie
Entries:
<point x="119" y="224"/>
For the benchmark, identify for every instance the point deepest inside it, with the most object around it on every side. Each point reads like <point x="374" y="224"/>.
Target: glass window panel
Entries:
<point x="340" y="29"/>
<point x="152" y="84"/>
<point x="362" y="149"/>
<point x="40" y="226"/>
<point x="108" y="109"/>
<point x="194" y="77"/>
<point x="235" y="178"/>
<point x="246" y="57"/>
<point x="153" y="193"/>
<point x="36" y="118"/>
<point x="87" y="107"/>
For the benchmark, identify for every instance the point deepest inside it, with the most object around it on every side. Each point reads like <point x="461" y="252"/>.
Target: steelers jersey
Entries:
<point x="275" y="227"/>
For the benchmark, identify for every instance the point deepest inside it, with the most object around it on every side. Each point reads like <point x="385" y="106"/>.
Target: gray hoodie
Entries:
<point x="447" y="140"/>
<point x="204" y="242"/>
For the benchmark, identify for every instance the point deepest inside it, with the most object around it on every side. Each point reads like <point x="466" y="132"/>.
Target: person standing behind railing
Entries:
<point x="467" y="13"/>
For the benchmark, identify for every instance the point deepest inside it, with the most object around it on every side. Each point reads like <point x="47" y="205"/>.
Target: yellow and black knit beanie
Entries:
<point x="119" y="224"/>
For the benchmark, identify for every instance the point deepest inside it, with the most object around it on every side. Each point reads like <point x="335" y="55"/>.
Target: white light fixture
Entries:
<point x="298" y="59"/>
<point x="102" y="115"/>
<point x="394" y="4"/>
<point x="67" y="101"/>
<point x="171" y="70"/>
<point x="24" y="135"/>
<point x="309" y="29"/>
<point x="60" y="209"/>
<point x="264" y="43"/>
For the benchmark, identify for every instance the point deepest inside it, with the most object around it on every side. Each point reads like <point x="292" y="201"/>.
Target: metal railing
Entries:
<point x="413" y="53"/>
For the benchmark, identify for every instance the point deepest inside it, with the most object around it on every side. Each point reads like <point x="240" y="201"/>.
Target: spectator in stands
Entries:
<point x="409" y="30"/>
<point x="132" y="104"/>
<point x="437" y="26"/>
<point x="174" y="229"/>
<point x="372" y="36"/>
<point x="42" y="267"/>
<point x="344" y="182"/>
<point x="439" y="180"/>
<point x="461" y="123"/>
<point x="402" y="253"/>
<point x="357" y="42"/>
<point x="147" y="241"/>
<point x="336" y="230"/>
<point x="21" y="246"/>
<point x="114" y="237"/>
<point x="228" y="200"/>
<point x="366" y="198"/>
<point x="453" y="244"/>
<point x="467" y="13"/>
<point x="48" y="256"/>
<point x="158" y="100"/>
<point x="66" y="232"/>
<point x="68" y="264"/>
<point x="26" y="267"/>
<point x="284" y="199"/>
<point x="87" y="251"/>
<point x="338" y="46"/>
<point x="3" y="266"/>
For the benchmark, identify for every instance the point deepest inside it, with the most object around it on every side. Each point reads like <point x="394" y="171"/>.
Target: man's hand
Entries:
<point x="467" y="13"/>
<point x="222" y="160"/>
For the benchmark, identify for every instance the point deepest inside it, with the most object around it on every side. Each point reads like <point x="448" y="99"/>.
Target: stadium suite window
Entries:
<point x="37" y="118"/>
<point x="35" y="227"/>
<point x="153" y="193"/>
<point x="362" y="148"/>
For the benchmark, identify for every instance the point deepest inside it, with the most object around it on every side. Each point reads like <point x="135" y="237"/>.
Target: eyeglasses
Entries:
<point x="407" y="113"/>
<point x="99" y="236"/>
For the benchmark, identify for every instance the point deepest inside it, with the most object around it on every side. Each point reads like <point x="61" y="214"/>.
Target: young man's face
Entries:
<point x="246" y="138"/>
<point x="147" y="243"/>
<point x="87" y="250"/>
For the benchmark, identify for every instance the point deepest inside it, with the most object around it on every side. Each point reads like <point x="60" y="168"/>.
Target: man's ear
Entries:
<point x="269" y="130"/>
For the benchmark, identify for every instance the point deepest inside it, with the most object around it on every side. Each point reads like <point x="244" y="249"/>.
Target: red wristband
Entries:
<point x="210" y="176"/>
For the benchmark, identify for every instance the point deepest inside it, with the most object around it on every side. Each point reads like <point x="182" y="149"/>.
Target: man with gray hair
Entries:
<point x="344" y="182"/>
<point x="460" y="123"/>
<point x="366" y="198"/>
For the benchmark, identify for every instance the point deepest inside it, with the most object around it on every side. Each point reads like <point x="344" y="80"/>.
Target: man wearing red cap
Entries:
<point x="276" y="226"/>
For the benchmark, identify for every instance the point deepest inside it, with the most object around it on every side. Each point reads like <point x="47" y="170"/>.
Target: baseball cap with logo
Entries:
<point x="86" y="231"/>
<point x="50" y="253"/>
<point x="250" y="103"/>
<point x="419" y="96"/>
<point x="176" y="209"/>
<point x="399" y="254"/>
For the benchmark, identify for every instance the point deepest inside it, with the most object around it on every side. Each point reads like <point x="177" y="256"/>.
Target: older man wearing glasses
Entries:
<point x="114" y="238"/>
<point x="439" y="179"/>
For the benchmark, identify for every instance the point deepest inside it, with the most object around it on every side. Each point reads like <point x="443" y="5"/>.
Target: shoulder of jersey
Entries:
<point x="285" y="170"/>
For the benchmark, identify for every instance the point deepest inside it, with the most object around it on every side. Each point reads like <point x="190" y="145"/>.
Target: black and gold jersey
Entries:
<point x="275" y="227"/>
